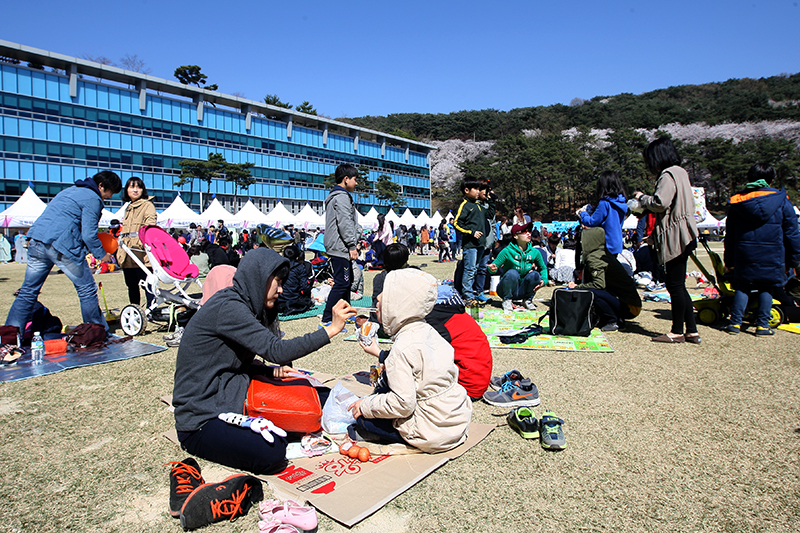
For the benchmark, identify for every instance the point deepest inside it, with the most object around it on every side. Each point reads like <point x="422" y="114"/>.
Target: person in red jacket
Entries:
<point x="473" y="356"/>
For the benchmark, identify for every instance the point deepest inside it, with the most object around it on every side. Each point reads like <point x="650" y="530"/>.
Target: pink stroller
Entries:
<point x="170" y="266"/>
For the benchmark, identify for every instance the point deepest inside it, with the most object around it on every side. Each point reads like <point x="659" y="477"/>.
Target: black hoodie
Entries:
<point x="214" y="364"/>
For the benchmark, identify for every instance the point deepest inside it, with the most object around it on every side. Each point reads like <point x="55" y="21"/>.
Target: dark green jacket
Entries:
<point x="603" y="271"/>
<point x="472" y="217"/>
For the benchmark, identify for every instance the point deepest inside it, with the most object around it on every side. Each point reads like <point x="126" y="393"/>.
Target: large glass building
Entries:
<point x="64" y="118"/>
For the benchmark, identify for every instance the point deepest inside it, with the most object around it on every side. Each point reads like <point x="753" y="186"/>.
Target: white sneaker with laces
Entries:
<point x="530" y="305"/>
<point x="508" y="306"/>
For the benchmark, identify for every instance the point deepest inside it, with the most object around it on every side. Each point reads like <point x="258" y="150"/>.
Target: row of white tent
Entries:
<point x="24" y="212"/>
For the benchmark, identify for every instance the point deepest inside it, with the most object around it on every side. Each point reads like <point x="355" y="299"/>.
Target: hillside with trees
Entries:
<point x="546" y="158"/>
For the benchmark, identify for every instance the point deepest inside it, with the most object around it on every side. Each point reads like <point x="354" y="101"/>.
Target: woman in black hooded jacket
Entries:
<point x="216" y="360"/>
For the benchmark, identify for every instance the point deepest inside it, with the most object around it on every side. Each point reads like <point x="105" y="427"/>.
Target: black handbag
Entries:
<point x="571" y="312"/>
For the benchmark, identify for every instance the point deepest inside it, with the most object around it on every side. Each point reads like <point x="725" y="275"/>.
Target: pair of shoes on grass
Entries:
<point x="199" y="504"/>
<point x="548" y="430"/>
<point x="512" y="390"/>
<point x="286" y="517"/>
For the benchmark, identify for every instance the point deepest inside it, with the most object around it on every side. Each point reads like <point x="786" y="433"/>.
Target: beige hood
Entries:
<point x="408" y="296"/>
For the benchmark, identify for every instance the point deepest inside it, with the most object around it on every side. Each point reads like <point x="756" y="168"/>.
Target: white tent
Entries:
<point x="631" y="222"/>
<point x="724" y="222"/>
<point x="216" y="212"/>
<point x="24" y="212"/>
<point x="370" y="220"/>
<point x="106" y="217"/>
<point x="177" y="215"/>
<point x="709" y="222"/>
<point x="408" y="219"/>
<point x="308" y="218"/>
<point x="280" y="216"/>
<point x="423" y="219"/>
<point x="120" y="214"/>
<point x="437" y="218"/>
<point x="391" y="215"/>
<point x="251" y="216"/>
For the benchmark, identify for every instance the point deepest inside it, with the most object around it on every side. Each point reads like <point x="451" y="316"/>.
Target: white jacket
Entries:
<point x="431" y="410"/>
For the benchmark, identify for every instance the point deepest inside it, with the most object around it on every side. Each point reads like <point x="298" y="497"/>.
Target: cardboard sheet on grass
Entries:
<point x="348" y="490"/>
<point x="56" y="363"/>
<point x="317" y="310"/>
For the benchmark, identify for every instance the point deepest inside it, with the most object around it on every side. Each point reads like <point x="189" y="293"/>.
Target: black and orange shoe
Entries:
<point x="184" y="478"/>
<point x="214" y="502"/>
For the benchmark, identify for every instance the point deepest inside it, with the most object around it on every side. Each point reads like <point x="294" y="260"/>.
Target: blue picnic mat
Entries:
<point x="51" y="364"/>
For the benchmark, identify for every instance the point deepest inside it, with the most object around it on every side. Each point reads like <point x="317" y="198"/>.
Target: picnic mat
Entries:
<point x="348" y="490"/>
<point x="664" y="296"/>
<point x="493" y="321"/>
<point x="791" y="328"/>
<point x="317" y="310"/>
<point x="56" y="363"/>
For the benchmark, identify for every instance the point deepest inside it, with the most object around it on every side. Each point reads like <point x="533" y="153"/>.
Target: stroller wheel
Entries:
<point x="133" y="320"/>
<point x="776" y="316"/>
<point x="707" y="315"/>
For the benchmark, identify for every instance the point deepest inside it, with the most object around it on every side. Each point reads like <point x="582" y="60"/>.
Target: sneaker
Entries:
<point x="508" y="306"/>
<point x="184" y="478"/>
<point x="214" y="502"/>
<point x="760" y="332"/>
<point x="514" y="393"/>
<point x="552" y="436"/>
<point x="175" y="341"/>
<point x="529" y="304"/>
<point x="732" y="329"/>
<point x="611" y="326"/>
<point x="523" y="421"/>
<point x="291" y="512"/>
<point x="169" y="336"/>
<point x="482" y="298"/>
<point x="512" y="375"/>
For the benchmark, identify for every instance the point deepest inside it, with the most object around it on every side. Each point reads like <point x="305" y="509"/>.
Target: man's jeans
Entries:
<point x="41" y="258"/>
<point x="471" y="258"/>
<point x="512" y="288"/>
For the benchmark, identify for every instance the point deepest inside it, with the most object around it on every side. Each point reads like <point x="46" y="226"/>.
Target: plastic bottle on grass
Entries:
<point x="37" y="348"/>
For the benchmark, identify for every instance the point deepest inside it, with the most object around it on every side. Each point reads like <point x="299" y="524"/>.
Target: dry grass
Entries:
<point x="660" y="438"/>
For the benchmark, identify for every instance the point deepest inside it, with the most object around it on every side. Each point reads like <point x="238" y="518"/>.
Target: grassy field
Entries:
<point x="660" y="438"/>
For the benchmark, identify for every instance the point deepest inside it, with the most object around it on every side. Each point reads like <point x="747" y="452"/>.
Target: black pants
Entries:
<point x="132" y="277"/>
<point x="608" y="307"/>
<point x="235" y="447"/>
<point x="680" y="301"/>
<point x="342" y="278"/>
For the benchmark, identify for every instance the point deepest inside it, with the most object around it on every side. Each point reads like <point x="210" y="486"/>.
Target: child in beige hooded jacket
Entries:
<point x="427" y="406"/>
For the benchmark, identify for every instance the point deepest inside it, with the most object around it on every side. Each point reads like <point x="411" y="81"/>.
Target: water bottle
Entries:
<point x="635" y="206"/>
<point x="37" y="348"/>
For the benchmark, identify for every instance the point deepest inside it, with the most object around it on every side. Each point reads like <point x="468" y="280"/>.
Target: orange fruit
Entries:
<point x="363" y="455"/>
<point x="352" y="453"/>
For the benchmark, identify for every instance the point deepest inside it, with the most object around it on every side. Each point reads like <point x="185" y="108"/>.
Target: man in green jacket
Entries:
<point x="524" y="271"/>
<point x="615" y="294"/>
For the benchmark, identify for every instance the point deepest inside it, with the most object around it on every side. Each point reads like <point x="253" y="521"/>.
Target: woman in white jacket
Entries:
<point x="424" y="405"/>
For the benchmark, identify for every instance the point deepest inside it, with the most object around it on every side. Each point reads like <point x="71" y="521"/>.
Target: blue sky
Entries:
<point x="354" y="58"/>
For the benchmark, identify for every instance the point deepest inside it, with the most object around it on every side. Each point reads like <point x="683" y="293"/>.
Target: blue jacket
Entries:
<point x="762" y="237"/>
<point x="609" y="214"/>
<point x="70" y="221"/>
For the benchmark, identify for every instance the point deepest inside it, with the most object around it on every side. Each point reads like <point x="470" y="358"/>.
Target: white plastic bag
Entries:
<point x="335" y="416"/>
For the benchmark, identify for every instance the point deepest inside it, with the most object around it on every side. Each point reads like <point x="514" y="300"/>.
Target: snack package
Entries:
<point x="367" y="332"/>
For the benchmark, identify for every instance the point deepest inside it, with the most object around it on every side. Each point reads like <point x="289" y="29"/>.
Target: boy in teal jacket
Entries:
<point x="523" y="267"/>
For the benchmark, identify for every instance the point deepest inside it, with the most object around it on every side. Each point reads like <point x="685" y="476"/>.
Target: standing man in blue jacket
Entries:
<point x="341" y="235"/>
<point x="762" y="239"/>
<point x="64" y="233"/>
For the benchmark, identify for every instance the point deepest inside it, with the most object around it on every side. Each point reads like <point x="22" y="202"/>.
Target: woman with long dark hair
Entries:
<point x="675" y="233"/>
<point x="610" y="211"/>
<point x="383" y="238"/>
<point x="139" y="213"/>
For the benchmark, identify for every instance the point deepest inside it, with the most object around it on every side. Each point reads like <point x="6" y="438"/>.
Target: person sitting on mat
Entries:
<point x="423" y="405"/>
<point x="296" y="296"/>
<point x="524" y="270"/>
<point x="615" y="295"/>
<point x="216" y="360"/>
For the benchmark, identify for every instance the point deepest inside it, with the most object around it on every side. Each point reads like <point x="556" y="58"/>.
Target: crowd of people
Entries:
<point x="440" y="358"/>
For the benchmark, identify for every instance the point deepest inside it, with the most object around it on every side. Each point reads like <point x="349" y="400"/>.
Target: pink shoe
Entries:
<point x="275" y="526"/>
<point x="292" y="513"/>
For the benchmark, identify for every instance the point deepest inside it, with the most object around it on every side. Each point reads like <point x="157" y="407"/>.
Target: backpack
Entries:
<point x="87" y="335"/>
<point x="571" y="312"/>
